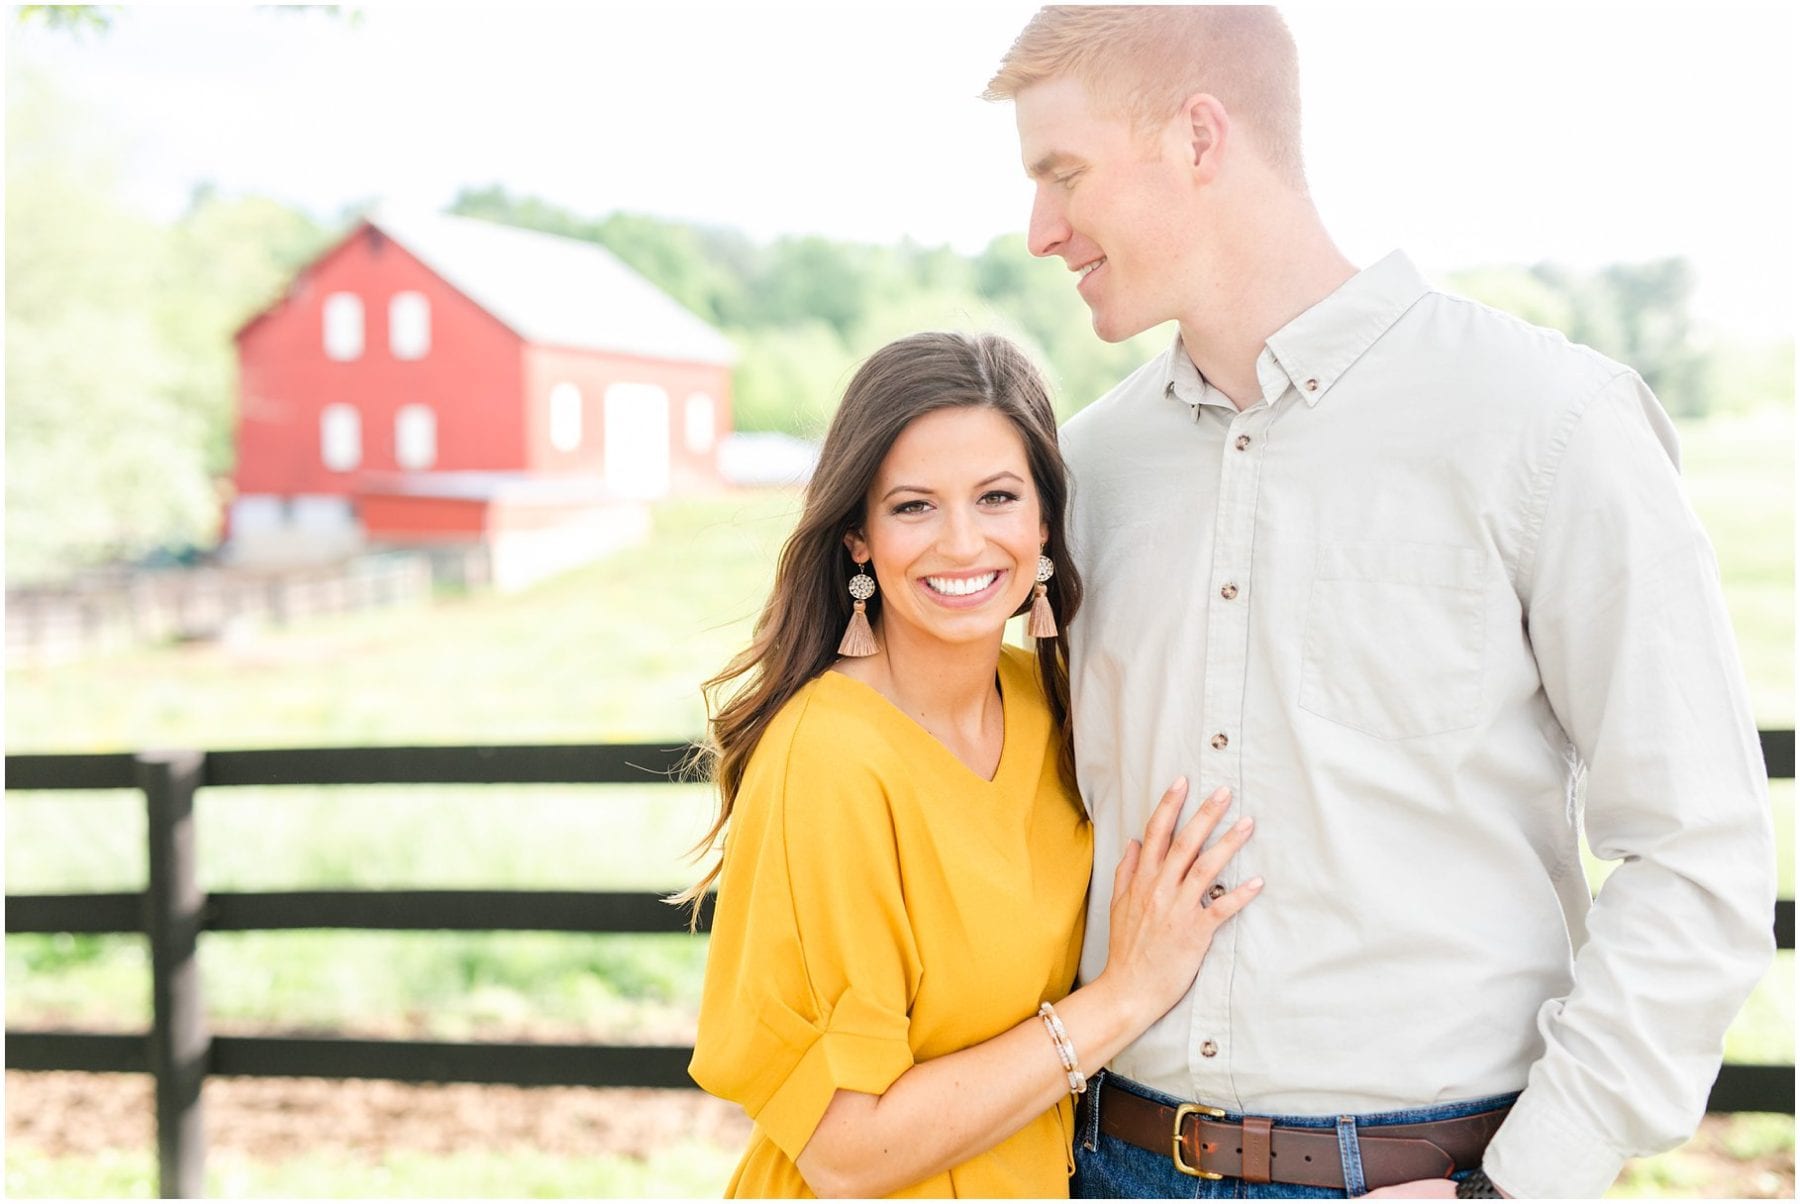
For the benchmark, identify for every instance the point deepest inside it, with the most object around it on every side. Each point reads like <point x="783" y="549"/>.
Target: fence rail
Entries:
<point x="172" y="912"/>
<point x="123" y="607"/>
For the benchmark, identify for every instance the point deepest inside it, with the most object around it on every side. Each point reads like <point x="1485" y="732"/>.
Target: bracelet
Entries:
<point x="1065" y="1049"/>
<point x="1477" y="1186"/>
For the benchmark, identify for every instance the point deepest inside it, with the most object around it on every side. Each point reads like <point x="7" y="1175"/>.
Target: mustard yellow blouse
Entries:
<point x="882" y="904"/>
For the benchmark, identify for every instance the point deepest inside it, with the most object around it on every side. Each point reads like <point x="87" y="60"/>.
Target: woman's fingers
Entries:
<point x="1127" y="870"/>
<point x="1192" y="838"/>
<point x="1161" y="828"/>
<point x="1233" y="901"/>
<point x="1210" y="864"/>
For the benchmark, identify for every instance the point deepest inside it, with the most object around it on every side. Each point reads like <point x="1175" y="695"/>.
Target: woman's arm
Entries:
<point x="945" y="1111"/>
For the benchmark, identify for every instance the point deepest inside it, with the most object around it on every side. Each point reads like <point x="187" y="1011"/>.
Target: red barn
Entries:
<point x="435" y="380"/>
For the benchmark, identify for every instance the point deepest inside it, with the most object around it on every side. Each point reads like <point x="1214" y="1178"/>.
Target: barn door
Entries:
<point x="637" y="440"/>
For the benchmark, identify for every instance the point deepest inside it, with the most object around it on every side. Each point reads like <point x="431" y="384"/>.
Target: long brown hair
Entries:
<point x="797" y="634"/>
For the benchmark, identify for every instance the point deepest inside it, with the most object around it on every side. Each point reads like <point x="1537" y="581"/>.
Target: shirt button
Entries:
<point x="1208" y="1049"/>
<point x="1228" y="592"/>
<point x="1221" y="740"/>
<point x="1215" y="890"/>
<point x="1312" y="384"/>
<point x="1243" y="441"/>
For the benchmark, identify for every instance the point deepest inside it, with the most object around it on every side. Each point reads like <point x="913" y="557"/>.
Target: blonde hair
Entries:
<point x="1143" y="61"/>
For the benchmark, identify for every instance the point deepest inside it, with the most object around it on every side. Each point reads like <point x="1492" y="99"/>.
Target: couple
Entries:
<point x="1405" y="583"/>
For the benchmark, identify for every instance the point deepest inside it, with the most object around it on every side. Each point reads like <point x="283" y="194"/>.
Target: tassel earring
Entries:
<point x="1042" y="625"/>
<point x="859" y="638"/>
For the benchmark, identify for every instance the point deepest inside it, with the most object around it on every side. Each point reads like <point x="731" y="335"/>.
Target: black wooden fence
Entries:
<point x="172" y="912"/>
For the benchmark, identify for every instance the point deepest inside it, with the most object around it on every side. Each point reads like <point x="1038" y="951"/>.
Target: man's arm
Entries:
<point x="1629" y="628"/>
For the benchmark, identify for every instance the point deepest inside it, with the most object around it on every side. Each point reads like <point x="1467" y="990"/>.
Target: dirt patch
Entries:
<point x="75" y="1115"/>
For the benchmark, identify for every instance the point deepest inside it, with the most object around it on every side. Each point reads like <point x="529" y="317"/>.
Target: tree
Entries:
<point x="227" y="258"/>
<point x="120" y="376"/>
<point x="1656" y="332"/>
<point x="74" y="18"/>
<point x="678" y="260"/>
<point x="1636" y="313"/>
<point x="790" y="378"/>
<point x="102" y="458"/>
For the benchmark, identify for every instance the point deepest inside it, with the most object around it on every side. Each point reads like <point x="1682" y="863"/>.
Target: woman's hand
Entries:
<point x="1162" y="921"/>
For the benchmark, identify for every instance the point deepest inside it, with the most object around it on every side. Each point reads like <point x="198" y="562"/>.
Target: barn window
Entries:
<point x="340" y="437"/>
<point x="699" y="423"/>
<point x="637" y="438"/>
<point x="409" y="326"/>
<point x="257" y="514"/>
<point x="343" y="326"/>
<point x="565" y="417"/>
<point x="415" y="436"/>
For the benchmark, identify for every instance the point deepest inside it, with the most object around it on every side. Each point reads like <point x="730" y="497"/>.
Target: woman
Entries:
<point x="901" y="895"/>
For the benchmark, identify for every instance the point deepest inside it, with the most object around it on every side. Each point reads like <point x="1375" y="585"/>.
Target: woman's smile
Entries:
<point x="964" y="590"/>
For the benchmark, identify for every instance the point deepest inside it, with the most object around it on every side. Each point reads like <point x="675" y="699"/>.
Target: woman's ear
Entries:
<point x="859" y="547"/>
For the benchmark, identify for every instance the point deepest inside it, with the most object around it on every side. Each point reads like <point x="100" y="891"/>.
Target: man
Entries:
<point x="1416" y="581"/>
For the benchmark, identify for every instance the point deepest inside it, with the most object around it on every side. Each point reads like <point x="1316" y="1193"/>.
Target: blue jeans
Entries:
<point x="1109" y="1169"/>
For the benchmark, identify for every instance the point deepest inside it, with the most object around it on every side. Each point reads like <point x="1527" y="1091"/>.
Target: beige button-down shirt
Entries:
<point x="1440" y="573"/>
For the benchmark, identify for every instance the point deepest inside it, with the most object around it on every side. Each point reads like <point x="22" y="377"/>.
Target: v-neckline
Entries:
<point x="1009" y="720"/>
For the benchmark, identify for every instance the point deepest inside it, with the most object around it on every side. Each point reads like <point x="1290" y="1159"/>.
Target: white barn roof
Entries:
<point x="554" y="290"/>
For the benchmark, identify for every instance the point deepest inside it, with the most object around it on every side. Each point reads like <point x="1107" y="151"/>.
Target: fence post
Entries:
<point x="173" y="914"/>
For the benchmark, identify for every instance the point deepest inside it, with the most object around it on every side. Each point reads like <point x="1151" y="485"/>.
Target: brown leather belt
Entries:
<point x="1257" y="1150"/>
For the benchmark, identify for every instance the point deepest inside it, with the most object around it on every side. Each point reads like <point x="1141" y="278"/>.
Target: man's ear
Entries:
<point x="859" y="547"/>
<point x="1206" y="128"/>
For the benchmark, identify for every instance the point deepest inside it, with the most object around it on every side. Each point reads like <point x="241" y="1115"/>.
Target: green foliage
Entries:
<point x="120" y="377"/>
<point x="72" y="18"/>
<point x="787" y="378"/>
<point x="1638" y="314"/>
<point x="103" y="457"/>
<point x="813" y="277"/>
<point x="707" y="269"/>
<point x="226" y="260"/>
<point x="688" y="263"/>
<point x="1751" y="374"/>
<point x="1520" y="292"/>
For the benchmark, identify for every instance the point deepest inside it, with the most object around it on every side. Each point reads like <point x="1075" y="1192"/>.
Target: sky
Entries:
<point x="1465" y="134"/>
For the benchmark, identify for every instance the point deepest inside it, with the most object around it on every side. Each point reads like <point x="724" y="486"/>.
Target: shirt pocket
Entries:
<point x="1394" y="638"/>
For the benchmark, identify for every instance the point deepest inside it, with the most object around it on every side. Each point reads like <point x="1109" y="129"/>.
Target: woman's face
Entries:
<point x="954" y="528"/>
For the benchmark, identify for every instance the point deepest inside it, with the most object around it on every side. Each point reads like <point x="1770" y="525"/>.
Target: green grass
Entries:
<point x="613" y="651"/>
<point x="1739" y="474"/>
<point x="688" y="1169"/>
<point x="1736" y="1161"/>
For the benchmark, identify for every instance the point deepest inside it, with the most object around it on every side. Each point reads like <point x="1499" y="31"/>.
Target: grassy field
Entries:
<point x="686" y="1169"/>
<point x="610" y="652"/>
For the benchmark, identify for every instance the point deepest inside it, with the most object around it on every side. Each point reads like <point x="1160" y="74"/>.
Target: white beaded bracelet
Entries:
<point x="1065" y="1049"/>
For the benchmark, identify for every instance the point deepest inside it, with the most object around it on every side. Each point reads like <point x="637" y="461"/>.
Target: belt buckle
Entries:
<point x="1181" y="1114"/>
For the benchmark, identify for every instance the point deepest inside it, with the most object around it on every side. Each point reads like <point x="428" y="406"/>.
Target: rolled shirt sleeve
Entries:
<point x="1629" y="629"/>
<point x="812" y="966"/>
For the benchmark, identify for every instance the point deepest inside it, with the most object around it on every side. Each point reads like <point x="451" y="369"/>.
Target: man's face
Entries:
<point x="1113" y="202"/>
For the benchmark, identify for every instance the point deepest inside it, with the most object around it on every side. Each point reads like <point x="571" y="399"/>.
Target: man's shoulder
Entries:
<point x="1525" y="361"/>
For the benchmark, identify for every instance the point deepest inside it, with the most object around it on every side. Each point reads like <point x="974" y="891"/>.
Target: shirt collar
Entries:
<point x="1315" y="349"/>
